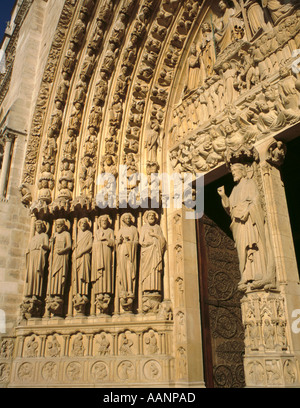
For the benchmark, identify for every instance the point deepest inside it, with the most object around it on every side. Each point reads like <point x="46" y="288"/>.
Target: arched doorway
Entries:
<point x="222" y="328"/>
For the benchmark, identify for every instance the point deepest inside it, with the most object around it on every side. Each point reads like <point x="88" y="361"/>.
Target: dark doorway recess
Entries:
<point x="290" y="173"/>
<point x="222" y="328"/>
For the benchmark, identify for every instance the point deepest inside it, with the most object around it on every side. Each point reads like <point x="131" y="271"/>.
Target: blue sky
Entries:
<point x="5" y="14"/>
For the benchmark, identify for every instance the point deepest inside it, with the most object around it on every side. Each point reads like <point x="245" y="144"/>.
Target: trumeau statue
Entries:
<point x="36" y="260"/>
<point x="250" y="231"/>
<point x="102" y="263"/>
<point x="127" y="243"/>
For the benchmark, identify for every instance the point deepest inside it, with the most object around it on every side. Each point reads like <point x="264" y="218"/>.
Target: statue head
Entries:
<point x="84" y="224"/>
<point x="151" y="217"/>
<point x="127" y="219"/>
<point x="206" y="27"/>
<point x="193" y="48"/>
<point x="104" y="221"/>
<point x="223" y="5"/>
<point x="60" y="225"/>
<point x="238" y="171"/>
<point x="229" y="129"/>
<point x="39" y="226"/>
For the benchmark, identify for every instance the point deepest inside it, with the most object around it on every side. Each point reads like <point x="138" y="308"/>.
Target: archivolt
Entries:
<point x="105" y="92"/>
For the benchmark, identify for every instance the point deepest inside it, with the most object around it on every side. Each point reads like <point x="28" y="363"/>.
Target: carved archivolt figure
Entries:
<point x="26" y="194"/>
<point x="255" y="16"/>
<point x="44" y="195"/>
<point x="278" y="8"/>
<point x="36" y="260"/>
<point x="109" y="60"/>
<point x="101" y="87"/>
<point x="208" y="56"/>
<point x="152" y="142"/>
<point x="119" y="30"/>
<point x="153" y="245"/>
<point x="127" y="244"/>
<point x="102" y="264"/>
<point x="79" y="30"/>
<point x="63" y="88"/>
<point x="56" y="120"/>
<point x="70" y="59"/>
<point x="226" y="27"/>
<point x="86" y="177"/>
<point x="249" y="230"/>
<point x="88" y="63"/>
<point x="61" y="246"/>
<point x="193" y="69"/>
<point x="106" y="11"/>
<point x="82" y="258"/>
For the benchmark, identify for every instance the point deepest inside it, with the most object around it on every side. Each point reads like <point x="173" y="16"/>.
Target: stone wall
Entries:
<point x="34" y="41"/>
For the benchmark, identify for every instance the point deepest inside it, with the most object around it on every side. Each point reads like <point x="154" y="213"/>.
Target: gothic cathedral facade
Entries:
<point x="149" y="155"/>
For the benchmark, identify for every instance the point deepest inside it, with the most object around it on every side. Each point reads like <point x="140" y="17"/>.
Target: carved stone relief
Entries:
<point x="115" y="269"/>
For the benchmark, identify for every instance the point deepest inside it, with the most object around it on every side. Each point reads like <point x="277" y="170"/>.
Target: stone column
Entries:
<point x="9" y="140"/>
<point x="184" y="288"/>
<point x="272" y="349"/>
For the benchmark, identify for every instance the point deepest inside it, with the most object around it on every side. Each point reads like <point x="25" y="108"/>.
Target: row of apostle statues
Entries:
<point x="109" y="262"/>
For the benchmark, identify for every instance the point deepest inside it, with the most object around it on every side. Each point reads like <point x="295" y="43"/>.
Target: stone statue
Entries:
<point x="79" y="30"/>
<point x="127" y="244"/>
<point x="69" y="59"/>
<point x="102" y="264"/>
<point x="26" y="194"/>
<point x="151" y="342"/>
<point x="63" y="88"/>
<point x="53" y="346"/>
<point x="152" y="142"/>
<point x="60" y="247"/>
<point x="255" y="16"/>
<point x="227" y="27"/>
<point x="193" y="69"/>
<point x="82" y="261"/>
<point x="44" y="195"/>
<point x="278" y="9"/>
<point x="88" y="63"/>
<point x="126" y="345"/>
<point x="208" y="54"/>
<point x="36" y="260"/>
<point x="56" y="120"/>
<point x="153" y="246"/>
<point x="249" y="231"/>
<point x="86" y="177"/>
<point x="104" y="345"/>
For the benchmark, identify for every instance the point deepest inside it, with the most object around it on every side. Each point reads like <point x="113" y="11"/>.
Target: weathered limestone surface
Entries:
<point x="98" y="292"/>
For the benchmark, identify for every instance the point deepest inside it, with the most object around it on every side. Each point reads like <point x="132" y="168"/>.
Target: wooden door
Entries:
<point x="223" y="332"/>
